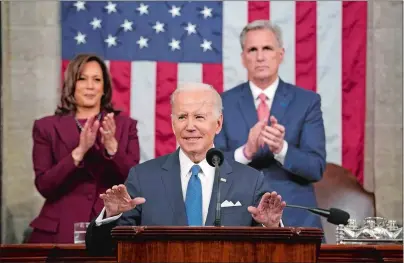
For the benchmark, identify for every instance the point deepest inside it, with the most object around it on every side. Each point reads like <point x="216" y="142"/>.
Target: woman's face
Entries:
<point x="89" y="86"/>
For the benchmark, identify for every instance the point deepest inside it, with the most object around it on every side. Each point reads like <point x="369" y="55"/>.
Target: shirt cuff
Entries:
<point x="100" y="221"/>
<point x="239" y="155"/>
<point x="280" y="224"/>
<point x="280" y="157"/>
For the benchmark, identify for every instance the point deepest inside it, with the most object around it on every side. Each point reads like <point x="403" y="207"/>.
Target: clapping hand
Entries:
<point x="269" y="211"/>
<point x="117" y="200"/>
<point x="273" y="135"/>
<point x="87" y="138"/>
<point x="107" y="130"/>
<point x="254" y="139"/>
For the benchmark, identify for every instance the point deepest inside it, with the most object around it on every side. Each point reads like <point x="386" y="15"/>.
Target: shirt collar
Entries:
<point x="268" y="91"/>
<point x="186" y="165"/>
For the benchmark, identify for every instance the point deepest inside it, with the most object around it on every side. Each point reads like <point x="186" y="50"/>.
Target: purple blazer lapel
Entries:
<point x="68" y="131"/>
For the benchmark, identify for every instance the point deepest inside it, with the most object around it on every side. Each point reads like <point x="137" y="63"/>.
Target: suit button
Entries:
<point x="90" y="197"/>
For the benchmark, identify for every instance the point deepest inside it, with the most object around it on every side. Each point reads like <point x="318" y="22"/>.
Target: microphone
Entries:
<point x="215" y="158"/>
<point x="334" y="215"/>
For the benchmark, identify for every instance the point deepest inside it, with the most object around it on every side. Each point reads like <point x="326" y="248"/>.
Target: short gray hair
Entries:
<point x="261" y="24"/>
<point x="189" y="86"/>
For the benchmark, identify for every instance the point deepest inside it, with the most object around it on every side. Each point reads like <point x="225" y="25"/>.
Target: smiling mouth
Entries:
<point x="192" y="139"/>
<point x="89" y="96"/>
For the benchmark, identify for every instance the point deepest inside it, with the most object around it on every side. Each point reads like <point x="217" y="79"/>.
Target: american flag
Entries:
<point x="151" y="46"/>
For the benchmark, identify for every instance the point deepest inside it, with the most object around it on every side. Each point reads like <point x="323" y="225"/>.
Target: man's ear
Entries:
<point x="219" y="124"/>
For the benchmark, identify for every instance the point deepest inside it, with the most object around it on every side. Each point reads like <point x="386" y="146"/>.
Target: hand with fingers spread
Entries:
<point x="273" y="135"/>
<point x="88" y="136"/>
<point x="117" y="200"/>
<point x="254" y="140"/>
<point x="107" y="130"/>
<point x="269" y="211"/>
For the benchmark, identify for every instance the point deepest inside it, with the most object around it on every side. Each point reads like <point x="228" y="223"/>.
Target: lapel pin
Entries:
<point x="222" y="179"/>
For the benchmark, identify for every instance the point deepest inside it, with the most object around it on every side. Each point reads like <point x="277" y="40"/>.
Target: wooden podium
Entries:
<point x="217" y="244"/>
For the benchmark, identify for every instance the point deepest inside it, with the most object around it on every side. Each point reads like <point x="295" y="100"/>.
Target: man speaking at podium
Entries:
<point x="179" y="189"/>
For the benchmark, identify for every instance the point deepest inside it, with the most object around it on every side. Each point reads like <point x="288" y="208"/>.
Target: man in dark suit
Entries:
<point x="176" y="189"/>
<point x="275" y="126"/>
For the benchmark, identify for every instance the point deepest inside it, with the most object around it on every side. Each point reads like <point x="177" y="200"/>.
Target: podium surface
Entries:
<point x="216" y="244"/>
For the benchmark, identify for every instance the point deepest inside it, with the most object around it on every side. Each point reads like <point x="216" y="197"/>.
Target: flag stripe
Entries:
<point x="64" y="65"/>
<point x="306" y="57"/>
<point x="142" y="104"/>
<point x="121" y="70"/>
<point x="354" y="85"/>
<point x="329" y="56"/>
<point x="282" y="13"/>
<point x="189" y="72"/>
<point x="166" y="83"/>
<point x="213" y="75"/>
<point x="258" y="10"/>
<point x="234" y="19"/>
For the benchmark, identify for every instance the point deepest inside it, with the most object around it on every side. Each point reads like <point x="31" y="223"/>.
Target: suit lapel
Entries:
<point x="68" y="131"/>
<point x="225" y="184"/>
<point x="172" y="182"/>
<point x="282" y="98"/>
<point x="247" y="106"/>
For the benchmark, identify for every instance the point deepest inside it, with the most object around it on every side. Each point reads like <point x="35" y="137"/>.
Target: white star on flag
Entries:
<point x="143" y="9"/>
<point x="159" y="27"/>
<point x="206" y="45"/>
<point x="174" y="44"/>
<point x="80" y="38"/>
<point x="127" y="25"/>
<point x="190" y="28"/>
<point x="80" y="5"/>
<point x="111" y="41"/>
<point x="96" y="23"/>
<point x="206" y="12"/>
<point x="111" y="7"/>
<point x="142" y="42"/>
<point x="175" y="11"/>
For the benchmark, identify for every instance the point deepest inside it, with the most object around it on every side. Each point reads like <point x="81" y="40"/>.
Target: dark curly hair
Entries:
<point x="67" y="103"/>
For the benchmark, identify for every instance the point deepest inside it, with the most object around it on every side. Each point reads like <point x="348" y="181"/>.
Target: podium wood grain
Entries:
<point x="217" y="244"/>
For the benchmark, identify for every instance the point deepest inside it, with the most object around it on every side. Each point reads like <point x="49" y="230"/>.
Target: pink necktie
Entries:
<point x="263" y="110"/>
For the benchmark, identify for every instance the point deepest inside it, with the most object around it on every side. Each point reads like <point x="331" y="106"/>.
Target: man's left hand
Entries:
<point x="274" y="135"/>
<point x="269" y="211"/>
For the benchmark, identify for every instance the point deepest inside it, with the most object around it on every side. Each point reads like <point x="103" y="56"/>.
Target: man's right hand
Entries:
<point x="117" y="200"/>
<point x="253" y="142"/>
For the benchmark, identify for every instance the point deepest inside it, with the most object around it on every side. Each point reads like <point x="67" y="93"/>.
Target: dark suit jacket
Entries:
<point x="159" y="182"/>
<point x="72" y="193"/>
<point x="299" y="111"/>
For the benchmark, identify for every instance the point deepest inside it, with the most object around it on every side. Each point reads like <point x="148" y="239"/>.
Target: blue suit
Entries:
<point x="159" y="182"/>
<point x="299" y="111"/>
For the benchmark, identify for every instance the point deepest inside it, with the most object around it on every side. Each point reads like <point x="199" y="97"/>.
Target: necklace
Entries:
<point x="80" y="126"/>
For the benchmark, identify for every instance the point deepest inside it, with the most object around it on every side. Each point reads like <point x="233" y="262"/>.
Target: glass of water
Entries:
<point x="80" y="229"/>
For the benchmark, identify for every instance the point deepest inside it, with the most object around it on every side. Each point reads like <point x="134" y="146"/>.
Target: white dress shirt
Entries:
<point x="206" y="175"/>
<point x="270" y="93"/>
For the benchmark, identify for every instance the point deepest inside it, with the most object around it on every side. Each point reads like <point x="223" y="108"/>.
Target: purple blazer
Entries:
<point x="72" y="193"/>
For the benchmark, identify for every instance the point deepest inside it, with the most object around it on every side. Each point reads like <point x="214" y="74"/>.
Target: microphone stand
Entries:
<point x="217" y="178"/>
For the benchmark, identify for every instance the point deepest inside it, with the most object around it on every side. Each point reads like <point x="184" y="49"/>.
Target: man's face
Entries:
<point x="261" y="55"/>
<point x="195" y="122"/>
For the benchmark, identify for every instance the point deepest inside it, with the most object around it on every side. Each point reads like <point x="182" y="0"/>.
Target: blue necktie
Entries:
<point x="193" y="199"/>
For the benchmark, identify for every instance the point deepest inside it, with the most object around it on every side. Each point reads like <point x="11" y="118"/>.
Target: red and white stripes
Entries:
<point x="325" y="51"/>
